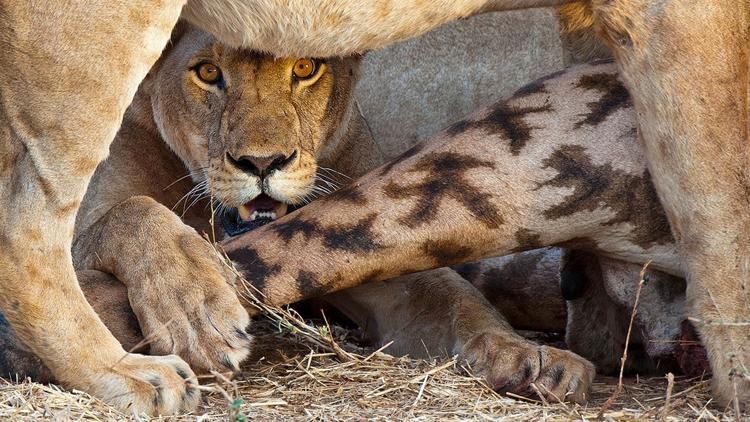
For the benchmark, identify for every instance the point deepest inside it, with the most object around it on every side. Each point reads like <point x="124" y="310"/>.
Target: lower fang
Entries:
<point x="244" y="213"/>
<point x="281" y="209"/>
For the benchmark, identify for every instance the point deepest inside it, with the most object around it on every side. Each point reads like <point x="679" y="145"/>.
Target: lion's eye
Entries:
<point x="304" y="68"/>
<point x="208" y="73"/>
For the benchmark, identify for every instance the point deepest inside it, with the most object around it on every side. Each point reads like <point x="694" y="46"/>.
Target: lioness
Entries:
<point x="288" y="123"/>
<point x="71" y="70"/>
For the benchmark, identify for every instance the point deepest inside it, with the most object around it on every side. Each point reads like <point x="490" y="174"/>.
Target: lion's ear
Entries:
<point x="177" y="32"/>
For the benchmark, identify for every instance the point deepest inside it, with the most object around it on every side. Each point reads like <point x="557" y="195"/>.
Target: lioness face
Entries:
<point x="250" y="126"/>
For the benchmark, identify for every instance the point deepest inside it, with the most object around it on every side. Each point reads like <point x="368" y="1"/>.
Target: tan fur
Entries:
<point x="333" y="27"/>
<point x="54" y="137"/>
<point x="430" y="313"/>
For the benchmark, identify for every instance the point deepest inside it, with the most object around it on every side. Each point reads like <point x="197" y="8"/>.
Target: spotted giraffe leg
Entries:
<point x="537" y="169"/>
<point x="686" y="65"/>
<point x="517" y="176"/>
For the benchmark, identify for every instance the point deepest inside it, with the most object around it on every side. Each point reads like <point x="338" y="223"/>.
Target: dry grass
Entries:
<point x="305" y="372"/>
<point x="291" y="376"/>
<point x="297" y="379"/>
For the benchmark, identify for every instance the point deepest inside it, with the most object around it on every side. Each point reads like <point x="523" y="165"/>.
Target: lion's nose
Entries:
<point x="261" y="166"/>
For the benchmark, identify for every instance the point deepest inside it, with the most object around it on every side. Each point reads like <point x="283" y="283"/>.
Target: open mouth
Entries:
<point x="251" y="215"/>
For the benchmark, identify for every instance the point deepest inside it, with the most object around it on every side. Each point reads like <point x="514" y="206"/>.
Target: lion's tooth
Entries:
<point x="244" y="212"/>
<point x="254" y="215"/>
<point x="281" y="209"/>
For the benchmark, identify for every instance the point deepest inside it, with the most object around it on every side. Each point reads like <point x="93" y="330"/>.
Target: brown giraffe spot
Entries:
<point x="356" y="238"/>
<point x="287" y="229"/>
<point x="536" y="87"/>
<point x="255" y="269"/>
<point x="527" y="239"/>
<point x="614" y="97"/>
<point x="631" y="197"/>
<point x="445" y="178"/>
<point x="350" y="194"/>
<point x="505" y="119"/>
<point x="446" y="252"/>
<point x="308" y="285"/>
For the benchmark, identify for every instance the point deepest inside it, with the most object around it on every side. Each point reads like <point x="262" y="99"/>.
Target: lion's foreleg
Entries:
<point x="178" y="286"/>
<point x="70" y="70"/>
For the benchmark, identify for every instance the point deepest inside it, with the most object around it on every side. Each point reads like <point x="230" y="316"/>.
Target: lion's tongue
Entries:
<point x="263" y="206"/>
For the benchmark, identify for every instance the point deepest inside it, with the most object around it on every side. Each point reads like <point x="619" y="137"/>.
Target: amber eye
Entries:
<point x="208" y="73"/>
<point x="304" y="68"/>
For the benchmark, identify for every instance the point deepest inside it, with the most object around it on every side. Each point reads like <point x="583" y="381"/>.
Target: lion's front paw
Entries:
<point x="524" y="368"/>
<point x="191" y="309"/>
<point x="151" y="385"/>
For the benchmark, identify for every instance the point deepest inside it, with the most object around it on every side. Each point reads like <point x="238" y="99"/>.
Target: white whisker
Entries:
<point x="335" y="171"/>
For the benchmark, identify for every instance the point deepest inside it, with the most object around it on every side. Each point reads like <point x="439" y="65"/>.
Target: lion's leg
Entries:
<point x="69" y="72"/>
<point x="686" y="65"/>
<point x="334" y="27"/>
<point x="437" y="312"/>
<point x="179" y="287"/>
<point x="109" y="298"/>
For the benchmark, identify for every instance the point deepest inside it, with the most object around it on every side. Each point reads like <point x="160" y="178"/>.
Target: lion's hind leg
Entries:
<point x="438" y="313"/>
<point x="685" y="64"/>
